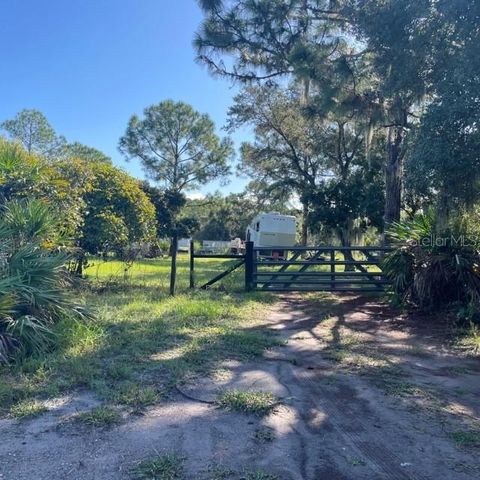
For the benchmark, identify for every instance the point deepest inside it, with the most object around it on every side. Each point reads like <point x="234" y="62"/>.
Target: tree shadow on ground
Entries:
<point x="327" y="428"/>
<point x="406" y="356"/>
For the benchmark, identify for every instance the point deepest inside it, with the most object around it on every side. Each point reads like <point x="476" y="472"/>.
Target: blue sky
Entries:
<point x="88" y="65"/>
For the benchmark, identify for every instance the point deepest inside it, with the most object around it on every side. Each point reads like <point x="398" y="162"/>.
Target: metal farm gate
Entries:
<point x="315" y="268"/>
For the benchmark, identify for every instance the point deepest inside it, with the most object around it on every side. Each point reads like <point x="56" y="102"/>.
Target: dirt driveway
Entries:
<point x="364" y="394"/>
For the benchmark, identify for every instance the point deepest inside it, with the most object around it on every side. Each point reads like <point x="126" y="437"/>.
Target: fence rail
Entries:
<point x="310" y="268"/>
<point x="221" y="275"/>
<point x="316" y="268"/>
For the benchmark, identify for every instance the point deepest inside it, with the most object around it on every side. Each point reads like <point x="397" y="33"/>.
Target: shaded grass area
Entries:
<point x="258" y="475"/>
<point x="469" y="438"/>
<point x="141" y="342"/>
<point x="264" y="435"/>
<point x="156" y="272"/>
<point x="224" y="472"/>
<point x="468" y="340"/>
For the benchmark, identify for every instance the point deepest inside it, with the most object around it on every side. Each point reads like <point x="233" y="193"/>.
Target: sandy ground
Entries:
<point x="337" y="419"/>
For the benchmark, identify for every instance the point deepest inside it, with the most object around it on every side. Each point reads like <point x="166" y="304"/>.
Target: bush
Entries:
<point x="34" y="283"/>
<point x="24" y="176"/>
<point x="432" y="270"/>
<point x="118" y="212"/>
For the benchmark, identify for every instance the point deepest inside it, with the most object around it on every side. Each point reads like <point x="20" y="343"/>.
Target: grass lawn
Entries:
<point x="156" y="273"/>
<point x="141" y="341"/>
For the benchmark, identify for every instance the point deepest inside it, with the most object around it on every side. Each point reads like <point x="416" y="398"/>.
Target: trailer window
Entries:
<point x="257" y="227"/>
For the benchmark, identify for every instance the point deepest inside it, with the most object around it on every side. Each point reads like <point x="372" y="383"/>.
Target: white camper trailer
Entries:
<point x="272" y="230"/>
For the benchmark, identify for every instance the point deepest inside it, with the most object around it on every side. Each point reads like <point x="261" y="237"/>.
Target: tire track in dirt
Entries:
<point x="300" y="438"/>
<point x="350" y="415"/>
<point x="341" y="415"/>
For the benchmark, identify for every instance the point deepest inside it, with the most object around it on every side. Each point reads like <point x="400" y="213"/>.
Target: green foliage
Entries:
<point x="143" y="342"/>
<point x="348" y="206"/>
<point x="444" y="165"/>
<point x="31" y="221"/>
<point x="285" y="152"/>
<point x="32" y="130"/>
<point x="266" y="39"/>
<point x="106" y="232"/>
<point x="177" y="145"/>
<point x="469" y="340"/>
<point x="376" y="63"/>
<point x="400" y="47"/>
<point x="315" y="153"/>
<point x="99" y="207"/>
<point x="414" y="44"/>
<point x="25" y="176"/>
<point x="470" y="219"/>
<point x="433" y="269"/>
<point x="224" y="217"/>
<point x="136" y="395"/>
<point x="168" y="205"/>
<point x="84" y="152"/>
<point x="363" y="61"/>
<point x="118" y="211"/>
<point x="33" y="280"/>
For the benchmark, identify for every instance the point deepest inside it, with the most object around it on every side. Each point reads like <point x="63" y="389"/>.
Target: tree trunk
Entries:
<point x="304" y="233"/>
<point x="443" y="211"/>
<point x="393" y="176"/>
<point x="344" y="234"/>
<point x="173" y="268"/>
<point x="79" y="267"/>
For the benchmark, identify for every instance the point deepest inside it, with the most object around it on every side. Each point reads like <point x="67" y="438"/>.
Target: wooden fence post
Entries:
<point x="192" y="264"/>
<point x="249" y="266"/>
<point x="332" y="269"/>
<point x="173" y="268"/>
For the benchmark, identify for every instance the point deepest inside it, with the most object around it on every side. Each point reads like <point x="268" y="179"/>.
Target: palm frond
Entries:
<point x="428" y="273"/>
<point x="35" y="286"/>
<point x="31" y="333"/>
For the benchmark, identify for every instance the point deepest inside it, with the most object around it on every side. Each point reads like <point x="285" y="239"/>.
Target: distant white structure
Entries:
<point x="272" y="230"/>
<point x="215" y="246"/>
<point x="184" y="245"/>
<point x="237" y="246"/>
